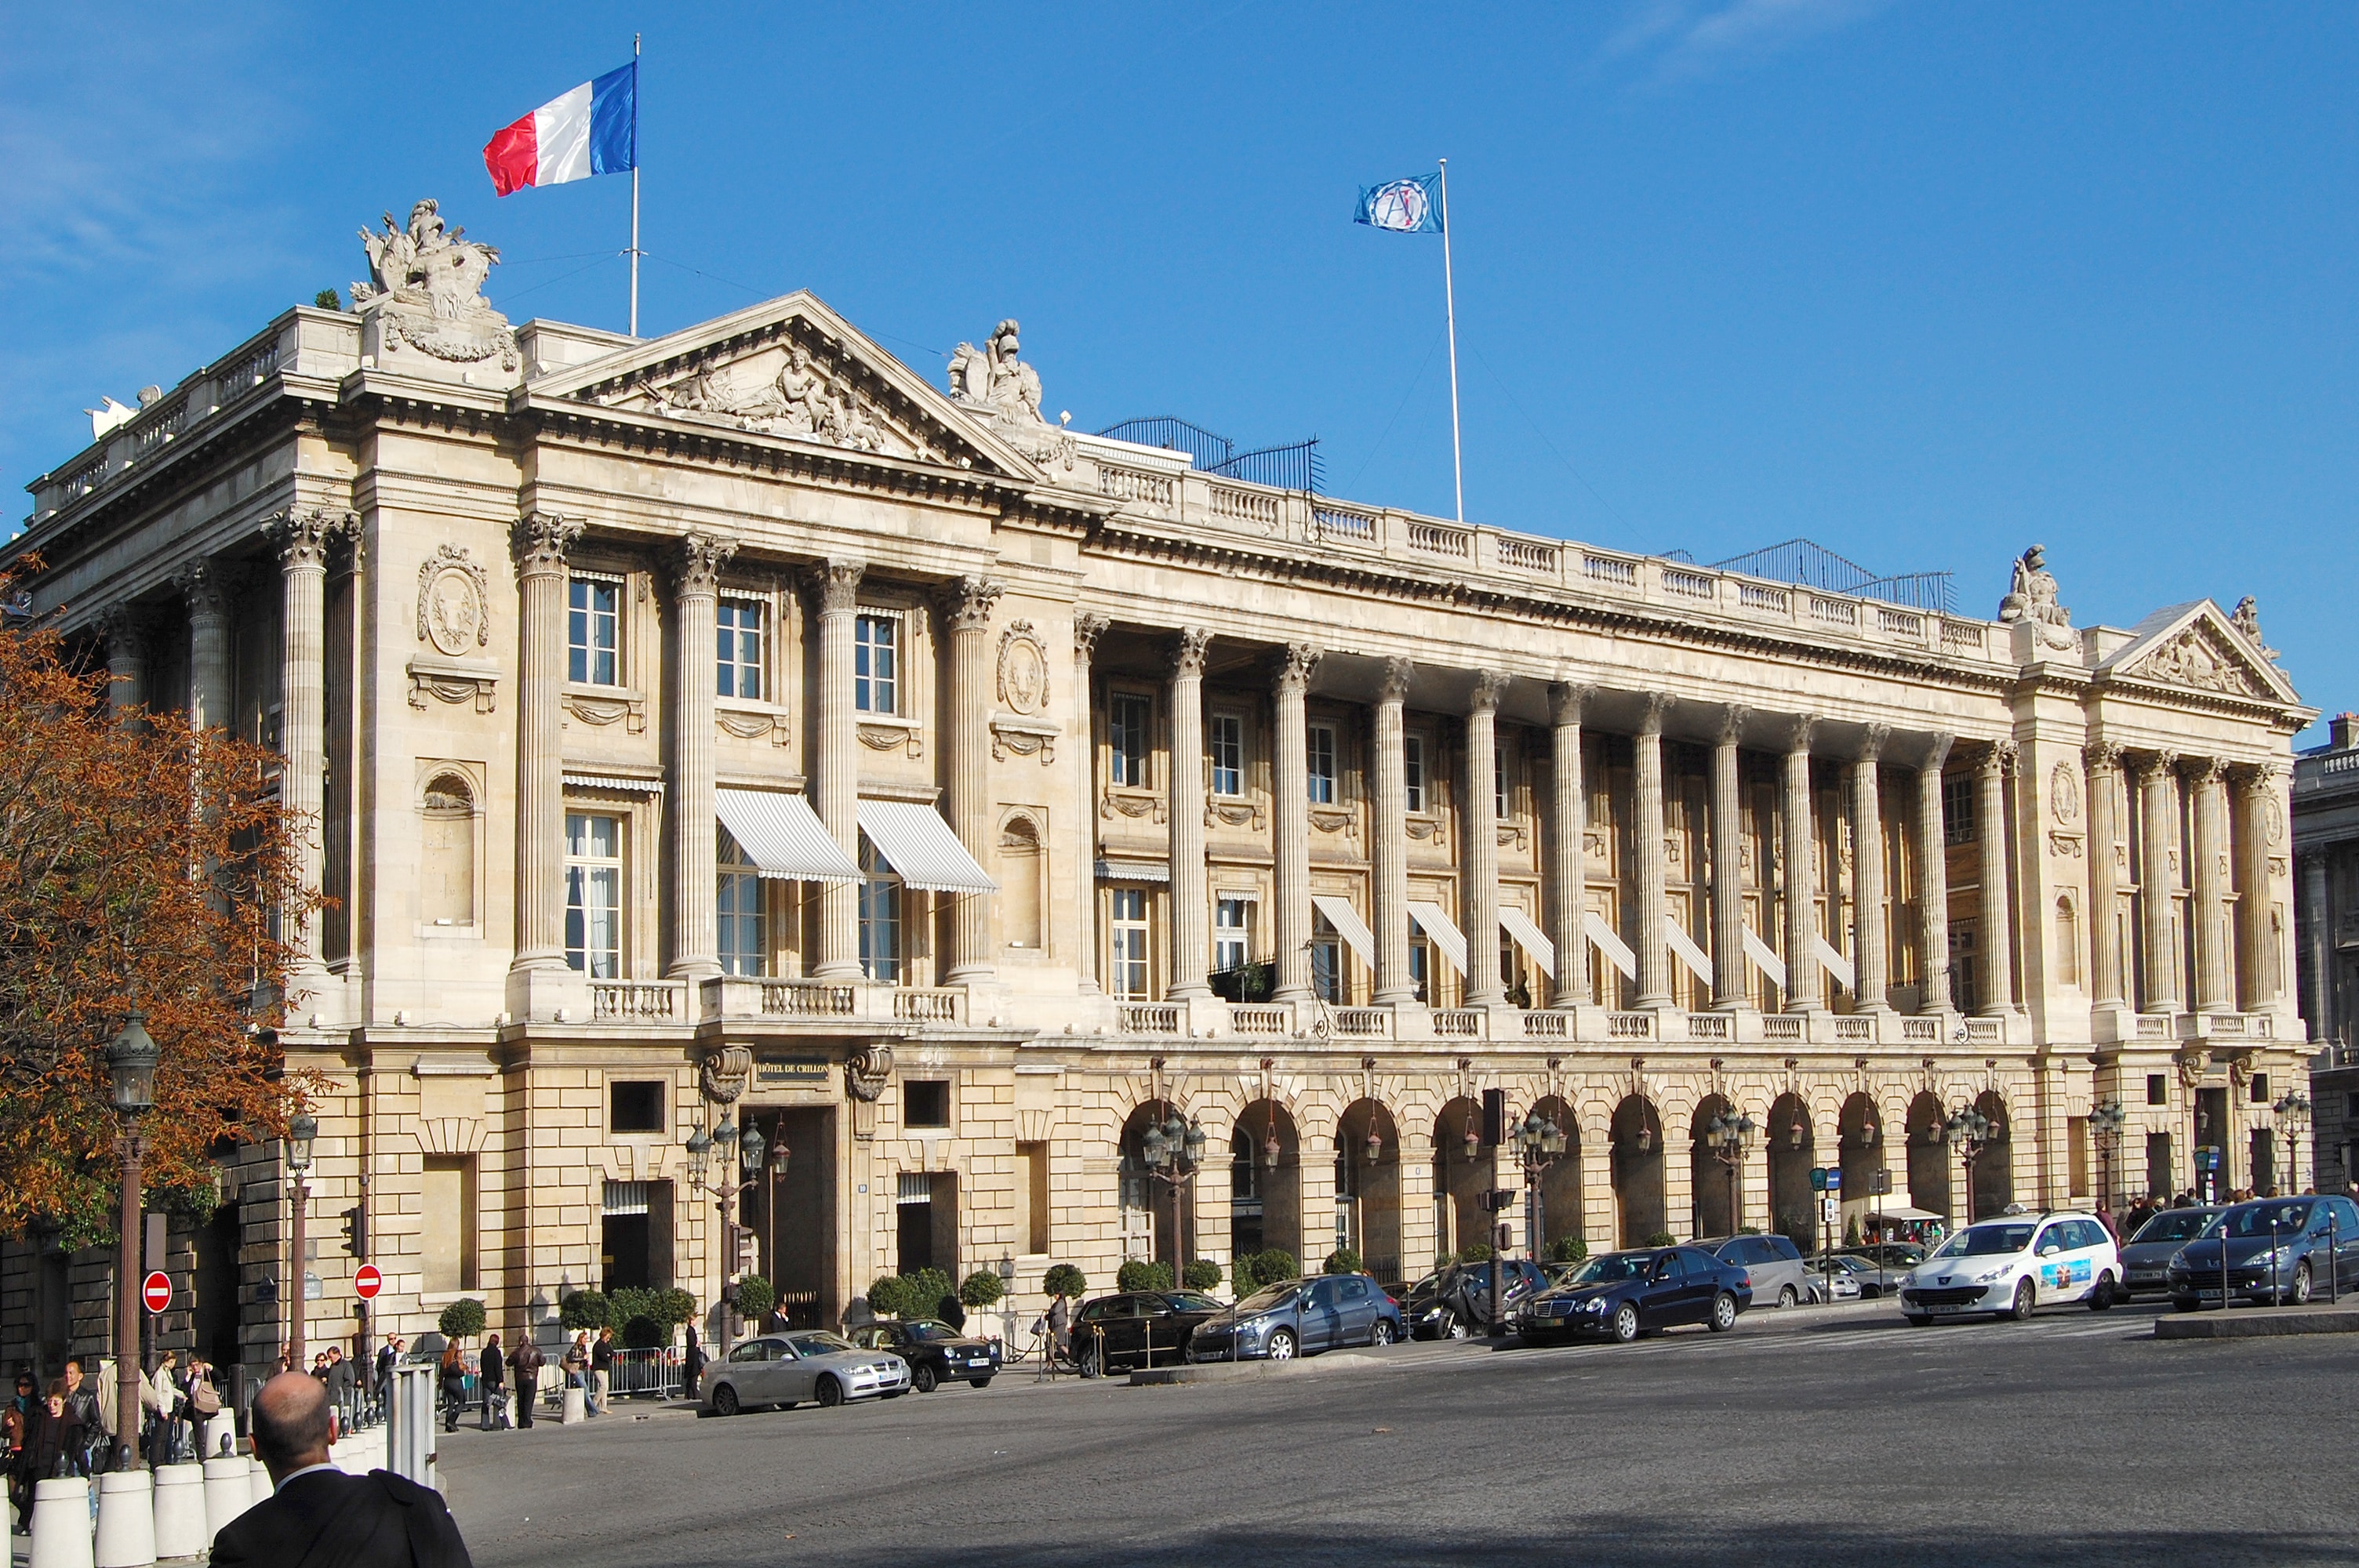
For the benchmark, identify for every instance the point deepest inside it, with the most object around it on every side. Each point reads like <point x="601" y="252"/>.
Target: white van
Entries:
<point x="2012" y="1264"/>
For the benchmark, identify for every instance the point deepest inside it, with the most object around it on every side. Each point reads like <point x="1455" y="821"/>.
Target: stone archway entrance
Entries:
<point x="1715" y="1185"/>
<point x="1859" y="1129"/>
<point x="1559" y="1187"/>
<point x="1168" y="1209"/>
<point x="1640" y="1209"/>
<point x="1793" y="1148"/>
<point x="1368" y="1188"/>
<point x="1928" y="1157"/>
<point x="1462" y="1172"/>
<point x="1266" y="1182"/>
<point x="1994" y="1166"/>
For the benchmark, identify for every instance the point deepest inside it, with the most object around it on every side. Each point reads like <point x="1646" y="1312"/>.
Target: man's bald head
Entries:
<point x="290" y="1423"/>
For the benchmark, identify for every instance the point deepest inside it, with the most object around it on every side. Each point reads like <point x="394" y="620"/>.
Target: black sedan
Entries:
<point x="936" y="1352"/>
<point x="2278" y="1249"/>
<point x="1454" y="1300"/>
<point x="1138" y="1328"/>
<point x="1625" y="1295"/>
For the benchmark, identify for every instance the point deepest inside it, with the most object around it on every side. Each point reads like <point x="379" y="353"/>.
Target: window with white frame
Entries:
<point x="1499" y="782"/>
<point x="739" y="662"/>
<point x="880" y="918"/>
<point x="1126" y="934"/>
<point x="1231" y="934"/>
<point x="1226" y="743"/>
<point x="1958" y="802"/>
<point x="1326" y="961"/>
<point x="593" y="621"/>
<point x="1413" y="771"/>
<point x="876" y="664"/>
<point x="1130" y="718"/>
<point x="593" y="894"/>
<point x="1421" y="962"/>
<point x="1322" y="750"/>
<point x="741" y="918"/>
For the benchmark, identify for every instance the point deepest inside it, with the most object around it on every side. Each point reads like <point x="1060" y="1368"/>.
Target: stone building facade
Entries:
<point x="2326" y="865"/>
<point x="736" y="728"/>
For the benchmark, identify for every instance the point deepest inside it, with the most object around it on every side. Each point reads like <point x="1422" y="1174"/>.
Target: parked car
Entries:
<point x="2278" y="1249"/>
<point x="1775" y="1263"/>
<point x="1897" y="1256"/>
<point x="1839" y="1276"/>
<point x="1625" y="1295"/>
<point x="785" y="1369"/>
<point x="1299" y="1317"/>
<point x="2010" y="1265"/>
<point x="1138" y="1328"/>
<point x="936" y="1352"/>
<point x="2146" y="1257"/>
<point x="1454" y="1300"/>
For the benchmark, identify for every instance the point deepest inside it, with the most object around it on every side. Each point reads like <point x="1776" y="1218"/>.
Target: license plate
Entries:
<point x="2210" y="1295"/>
<point x="1945" y="1307"/>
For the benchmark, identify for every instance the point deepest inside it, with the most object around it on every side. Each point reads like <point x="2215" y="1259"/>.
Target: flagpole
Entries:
<point x="1449" y="308"/>
<point x="634" y="189"/>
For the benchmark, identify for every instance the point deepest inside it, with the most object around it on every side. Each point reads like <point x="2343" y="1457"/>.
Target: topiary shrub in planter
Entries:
<point x="1342" y="1260"/>
<point x="1662" y="1238"/>
<point x="463" y="1319"/>
<point x="1274" y="1265"/>
<point x="923" y="1292"/>
<point x="888" y="1297"/>
<point x="1243" y="1277"/>
<point x="1140" y="1275"/>
<point x="1203" y="1274"/>
<point x="1476" y="1252"/>
<point x="982" y="1289"/>
<point x="1568" y="1250"/>
<point x="585" y="1309"/>
<point x="753" y="1297"/>
<point x="1064" y="1280"/>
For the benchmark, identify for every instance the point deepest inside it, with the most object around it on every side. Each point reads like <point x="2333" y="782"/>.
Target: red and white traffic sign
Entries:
<point x="367" y="1282"/>
<point x="157" y="1290"/>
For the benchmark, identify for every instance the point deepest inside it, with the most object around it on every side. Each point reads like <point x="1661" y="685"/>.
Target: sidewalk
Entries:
<point x="2260" y="1323"/>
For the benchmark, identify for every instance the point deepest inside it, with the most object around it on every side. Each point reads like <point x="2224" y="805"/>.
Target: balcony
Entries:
<point x="732" y="998"/>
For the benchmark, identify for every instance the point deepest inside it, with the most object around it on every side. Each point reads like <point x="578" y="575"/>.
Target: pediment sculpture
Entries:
<point x="426" y="293"/>
<point x="2247" y="621"/>
<point x="2031" y="598"/>
<point x="995" y="383"/>
<point x="780" y="390"/>
<point x="2199" y="658"/>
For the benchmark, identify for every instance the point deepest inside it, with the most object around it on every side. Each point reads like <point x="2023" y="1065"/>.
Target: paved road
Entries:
<point x="1821" y="1437"/>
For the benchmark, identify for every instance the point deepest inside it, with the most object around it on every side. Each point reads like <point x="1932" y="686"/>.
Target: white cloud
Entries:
<point x="1684" y="39"/>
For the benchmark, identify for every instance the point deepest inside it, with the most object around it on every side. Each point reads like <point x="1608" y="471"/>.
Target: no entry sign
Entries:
<point x="157" y="1292"/>
<point x="367" y="1282"/>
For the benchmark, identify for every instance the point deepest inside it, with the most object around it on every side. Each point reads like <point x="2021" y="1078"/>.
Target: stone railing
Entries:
<point x="809" y="999"/>
<point x="1459" y="1022"/>
<point x="652" y="1001"/>
<point x="1364" y="1022"/>
<point x="1261" y="1018"/>
<point x="1582" y="1026"/>
<point x="937" y="1004"/>
<point x="1150" y="1017"/>
<point x="1710" y="1026"/>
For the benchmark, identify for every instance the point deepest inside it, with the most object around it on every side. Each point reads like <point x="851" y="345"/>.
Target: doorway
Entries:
<point x="215" y="1319"/>
<point x="793" y="1213"/>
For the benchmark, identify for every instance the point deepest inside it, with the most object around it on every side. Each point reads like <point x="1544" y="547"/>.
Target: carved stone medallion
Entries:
<point x="2064" y="793"/>
<point x="1023" y="670"/>
<point x="453" y="602"/>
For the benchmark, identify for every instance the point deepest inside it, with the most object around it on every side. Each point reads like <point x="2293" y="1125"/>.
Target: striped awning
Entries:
<point x="1348" y="924"/>
<point x="1134" y="871"/>
<point x="1529" y="937"/>
<point x="911" y="837"/>
<point x="1442" y="931"/>
<point x="623" y="784"/>
<point x="783" y="836"/>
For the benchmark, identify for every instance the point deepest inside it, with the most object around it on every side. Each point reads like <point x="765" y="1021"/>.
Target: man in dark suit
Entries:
<point x="319" y="1515"/>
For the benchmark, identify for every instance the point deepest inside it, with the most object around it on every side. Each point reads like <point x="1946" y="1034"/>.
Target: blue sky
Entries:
<point x="1922" y="283"/>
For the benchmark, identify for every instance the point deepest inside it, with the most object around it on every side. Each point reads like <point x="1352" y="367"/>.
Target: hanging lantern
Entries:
<point x="1376" y="1142"/>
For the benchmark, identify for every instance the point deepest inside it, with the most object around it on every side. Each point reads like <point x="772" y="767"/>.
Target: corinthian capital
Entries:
<point x="835" y="585"/>
<point x="696" y="565"/>
<point x="2103" y="756"/>
<point x="541" y="540"/>
<point x="1489" y="686"/>
<point x="1568" y="700"/>
<point x="1731" y="722"/>
<point x="1188" y="652"/>
<point x="1799" y="731"/>
<point x="967" y="602"/>
<point x="1088" y="627"/>
<point x="1937" y="752"/>
<point x="1295" y="665"/>
<point x="206" y="587"/>
<point x="1651" y="708"/>
<point x="1392" y="685"/>
<point x="127" y="629"/>
<point x="1871" y="745"/>
<point x="2000" y="756"/>
<point x="304" y="539"/>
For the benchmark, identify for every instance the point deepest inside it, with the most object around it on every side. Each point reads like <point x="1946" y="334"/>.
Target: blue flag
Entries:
<point x="1404" y="206"/>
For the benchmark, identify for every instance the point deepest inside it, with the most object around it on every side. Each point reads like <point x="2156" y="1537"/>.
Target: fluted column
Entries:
<point x="1727" y="865"/>
<point x="1190" y="956"/>
<point x="695" y="952"/>
<point x="126" y="630"/>
<point x="966" y="606"/>
<point x="2159" y="878"/>
<point x="2259" y="962"/>
<point x="1568" y="846"/>
<point x="1872" y="954"/>
<point x="2215" y="979"/>
<point x="1480" y="860"/>
<point x="836" y="763"/>
<point x="2321" y="943"/>
<point x="1997" y="920"/>
<point x="2105" y="955"/>
<point x="1805" y="986"/>
<point x="205" y="586"/>
<point x="1088" y="627"/>
<point x="1290" y="822"/>
<point x="1389" y="845"/>
<point x="540" y="543"/>
<point x="303" y="540"/>
<point x="1646" y="847"/>
<point x="1933" y="855"/>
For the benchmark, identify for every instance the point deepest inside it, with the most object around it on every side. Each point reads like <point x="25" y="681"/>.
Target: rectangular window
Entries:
<point x="1231" y="936"/>
<point x="741" y="912"/>
<point x="1957" y="808"/>
<point x="1326" y="961"/>
<point x="740" y="648"/>
<point x="1413" y="771"/>
<point x="1127" y="932"/>
<point x="1032" y="1196"/>
<point x="1420" y="964"/>
<point x="926" y="1103"/>
<point x="1499" y="783"/>
<point x="876" y="664"/>
<point x="593" y="894"/>
<point x="635" y="1104"/>
<point x="447" y="1232"/>
<point x="1129" y="720"/>
<point x="2260" y="1088"/>
<point x="1322" y="750"/>
<point x="880" y="920"/>
<point x="592" y="628"/>
<point x="1226" y="745"/>
<point x="1963" y="993"/>
<point x="2157" y="1088"/>
<point x="2076" y="1143"/>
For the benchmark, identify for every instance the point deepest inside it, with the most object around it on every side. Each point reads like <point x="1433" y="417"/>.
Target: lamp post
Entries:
<point x="1968" y="1129"/>
<point x="2105" y="1122"/>
<point x="130" y="1064"/>
<point x="2293" y="1120"/>
<point x="1731" y="1135"/>
<point x="1543" y="1145"/>
<point x="1173" y="1150"/>
<point x="301" y="1129"/>
<point x="741" y="1167"/>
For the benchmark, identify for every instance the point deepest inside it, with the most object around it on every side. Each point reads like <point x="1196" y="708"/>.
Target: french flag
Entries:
<point x="593" y="129"/>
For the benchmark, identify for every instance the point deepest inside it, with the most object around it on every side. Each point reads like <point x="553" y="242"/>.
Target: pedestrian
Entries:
<point x="525" y="1362"/>
<point x="55" y="1445"/>
<point x="92" y="1426"/>
<point x="16" y="1420"/>
<point x="159" y="1399"/>
<point x="319" y="1515"/>
<point x="204" y="1401"/>
<point x="602" y="1370"/>
<point x="495" y="1385"/>
<point x="1060" y="1325"/>
<point x="2105" y="1218"/>
<point x="692" y="1366"/>
<point x="454" y="1385"/>
<point x="339" y="1390"/>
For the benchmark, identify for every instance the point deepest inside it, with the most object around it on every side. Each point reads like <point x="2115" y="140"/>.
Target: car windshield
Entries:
<point x="1269" y="1297"/>
<point x="926" y="1328"/>
<point x="1190" y="1301"/>
<point x="819" y="1344"/>
<point x="1986" y="1240"/>
<point x="1612" y="1266"/>
<point x="2179" y="1225"/>
<point x="2263" y="1219"/>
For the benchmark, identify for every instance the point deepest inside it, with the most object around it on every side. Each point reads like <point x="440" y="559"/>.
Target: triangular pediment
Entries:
<point x="2197" y="645"/>
<point x="789" y="368"/>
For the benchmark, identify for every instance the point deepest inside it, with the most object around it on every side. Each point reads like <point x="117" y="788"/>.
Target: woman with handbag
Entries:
<point x="454" y="1386"/>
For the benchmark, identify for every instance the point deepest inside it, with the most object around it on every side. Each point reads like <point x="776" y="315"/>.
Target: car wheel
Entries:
<point x="2302" y="1283"/>
<point x="1917" y="1320"/>
<point x="2026" y="1298"/>
<point x="2100" y="1294"/>
<point x="1457" y="1328"/>
<point x="1786" y="1296"/>
<point x="724" y="1401"/>
<point x="1090" y="1365"/>
<point x="1625" y="1324"/>
<point x="1723" y="1312"/>
<point x="1282" y="1345"/>
<point x="978" y="1382"/>
<point x="922" y="1377"/>
<point x="831" y="1393"/>
<point x="1380" y="1332"/>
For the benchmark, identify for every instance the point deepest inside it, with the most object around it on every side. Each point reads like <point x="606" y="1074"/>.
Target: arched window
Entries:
<point x="445" y="883"/>
<point x="1021" y="865"/>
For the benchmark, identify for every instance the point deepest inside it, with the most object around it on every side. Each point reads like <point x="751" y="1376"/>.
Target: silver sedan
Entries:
<point x="789" y="1370"/>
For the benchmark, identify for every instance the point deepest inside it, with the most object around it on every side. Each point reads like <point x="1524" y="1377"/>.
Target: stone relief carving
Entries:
<point x="2195" y="658"/>
<point x="725" y="1074"/>
<point x="427" y="292"/>
<point x="307" y="539"/>
<point x="1023" y="669"/>
<point x="1007" y="392"/>
<point x="1134" y="804"/>
<point x="779" y="389"/>
<point x="599" y="711"/>
<point x="2032" y="599"/>
<point x="453" y="602"/>
<point x="1015" y="737"/>
<point x="867" y="1070"/>
<point x="892" y="737"/>
<point x="2064" y="793"/>
<point x="2247" y="620"/>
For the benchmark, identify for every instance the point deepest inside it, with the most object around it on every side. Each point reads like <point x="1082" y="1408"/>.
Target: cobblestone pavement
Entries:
<point x="1823" y="1437"/>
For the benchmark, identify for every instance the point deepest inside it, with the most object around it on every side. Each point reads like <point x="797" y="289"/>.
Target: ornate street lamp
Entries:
<point x="1968" y="1129"/>
<point x="131" y="1059"/>
<point x="2106" y="1120"/>
<point x="1730" y="1136"/>
<point x="1543" y="1143"/>
<point x="2293" y="1120"/>
<point x="738" y="1167"/>
<point x="301" y="1129"/>
<point x="1172" y="1149"/>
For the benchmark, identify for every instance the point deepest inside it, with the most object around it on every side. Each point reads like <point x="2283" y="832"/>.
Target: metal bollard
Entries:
<point x="126" y="1519"/>
<point x="410" y="1437"/>
<point x="61" y="1523"/>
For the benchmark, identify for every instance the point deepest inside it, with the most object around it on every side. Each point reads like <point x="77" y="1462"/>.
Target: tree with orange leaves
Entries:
<point x="143" y="864"/>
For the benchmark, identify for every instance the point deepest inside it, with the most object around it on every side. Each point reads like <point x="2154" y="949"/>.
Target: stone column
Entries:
<point x="2321" y="943"/>
<point x="1291" y="824"/>
<point x="206" y="587"/>
<point x="966" y="609"/>
<point x="126" y="631"/>
<point x="836" y="763"/>
<point x="1805" y="987"/>
<point x="1388" y="840"/>
<point x="1190" y="955"/>
<point x="1568" y="847"/>
<point x="1646" y="850"/>
<point x="1933" y="882"/>
<point x="2215" y="979"/>
<point x="1088" y="627"/>
<point x="694" y="832"/>
<point x="1998" y="925"/>
<point x="1728" y="959"/>
<point x="1872" y="950"/>
<point x="2104" y="763"/>
<point x="303" y="540"/>
<point x="540" y="542"/>
<point x="2159" y="878"/>
<point x="2260" y="959"/>
<point x="1479" y="825"/>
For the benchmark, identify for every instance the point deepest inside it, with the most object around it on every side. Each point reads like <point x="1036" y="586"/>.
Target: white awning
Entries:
<point x="1134" y="871"/>
<point x="1765" y="958"/>
<point x="783" y="836"/>
<point x="919" y="844"/>
<point x="1440" y="930"/>
<point x="1836" y="964"/>
<point x="1529" y="937"/>
<point x="622" y="784"/>
<point x="1699" y="963"/>
<point x="1348" y="924"/>
<point x="1603" y="938"/>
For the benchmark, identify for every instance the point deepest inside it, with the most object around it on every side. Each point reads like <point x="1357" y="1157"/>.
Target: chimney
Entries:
<point x="2343" y="732"/>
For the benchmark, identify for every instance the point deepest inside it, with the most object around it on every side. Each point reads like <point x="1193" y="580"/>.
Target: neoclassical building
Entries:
<point x="739" y="729"/>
